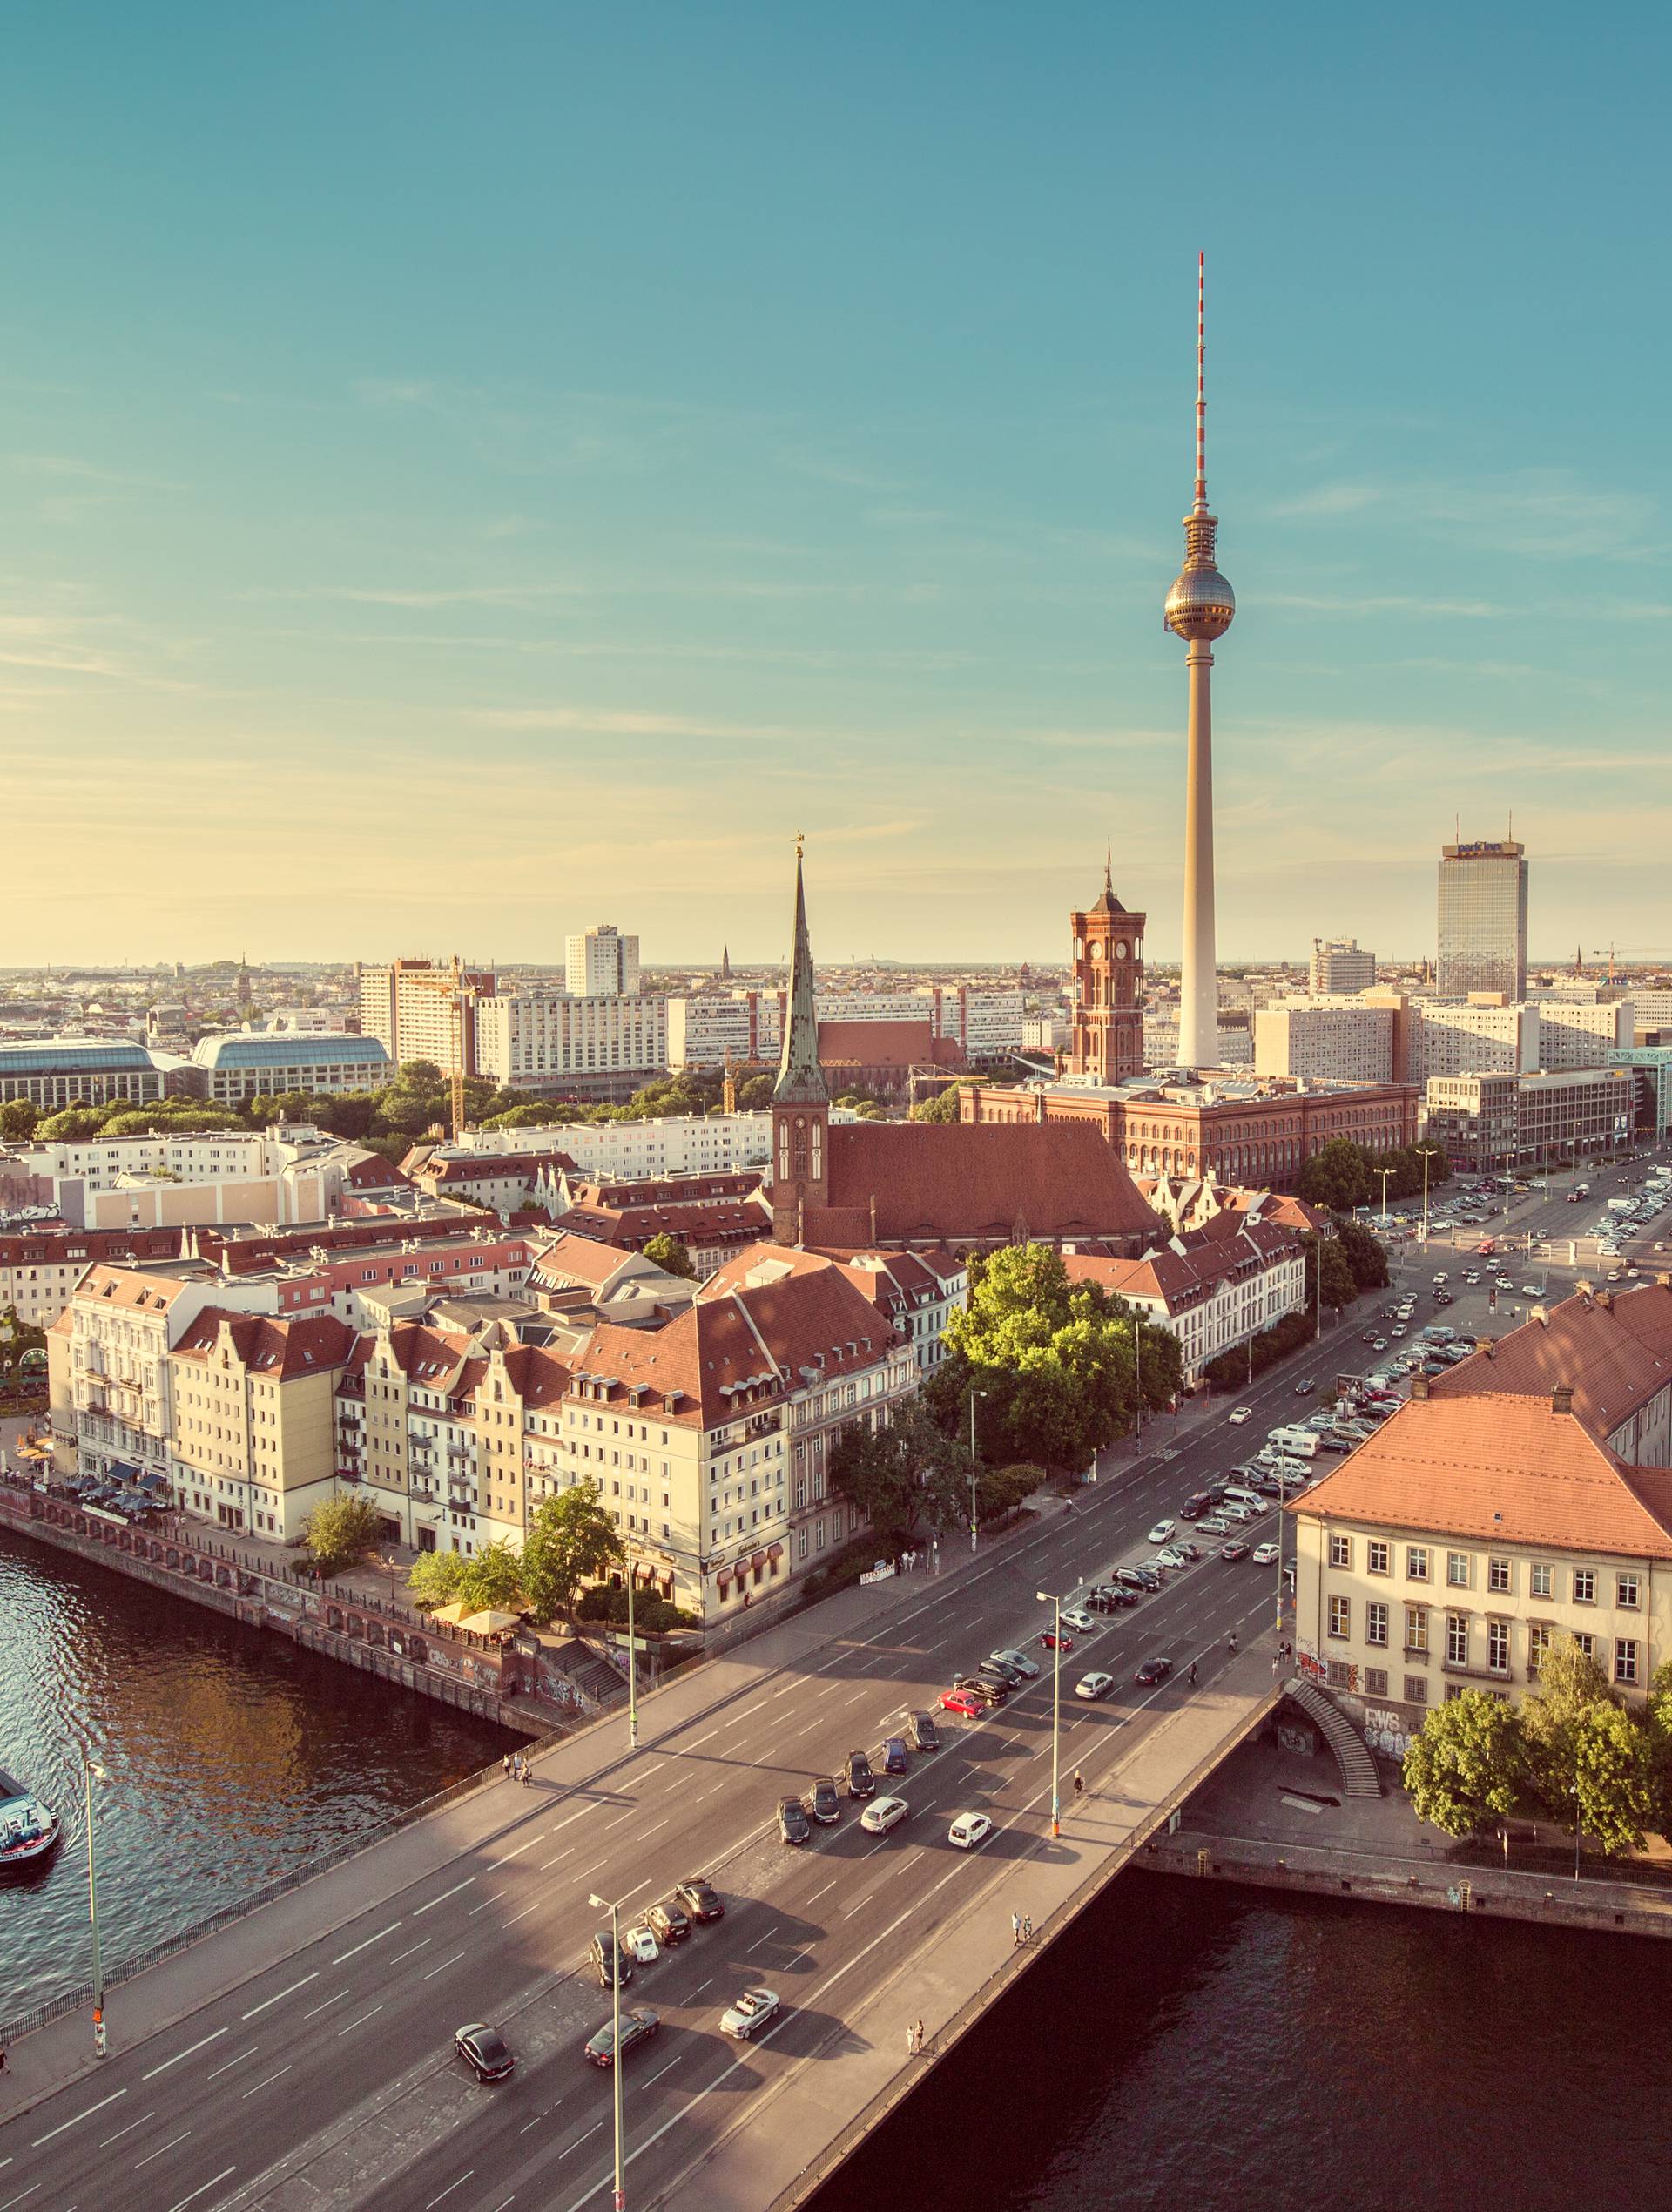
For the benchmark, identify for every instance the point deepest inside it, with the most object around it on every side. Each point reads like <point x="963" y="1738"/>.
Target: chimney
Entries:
<point x="1605" y="1299"/>
<point x="1038" y="1108"/>
<point x="1540" y="1314"/>
<point x="1561" y="1398"/>
<point x="1418" y="1386"/>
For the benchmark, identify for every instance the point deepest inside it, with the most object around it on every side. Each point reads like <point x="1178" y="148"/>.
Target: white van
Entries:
<point x="1299" y="1443"/>
<point x="1250" y="1500"/>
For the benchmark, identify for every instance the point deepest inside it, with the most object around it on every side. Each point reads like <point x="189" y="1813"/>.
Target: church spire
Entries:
<point x="800" y="1079"/>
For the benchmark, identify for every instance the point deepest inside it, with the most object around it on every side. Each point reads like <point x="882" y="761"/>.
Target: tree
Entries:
<point x="1337" y="1176"/>
<point x="339" y="1532"/>
<point x="1571" y="1686"/>
<point x="570" y="1539"/>
<point x="492" y="1579"/>
<point x="943" y="1109"/>
<point x="1365" y="1255"/>
<point x="18" y="1119"/>
<point x="73" y="1123"/>
<point x="1339" y="1289"/>
<point x="905" y="1470"/>
<point x="1614" y="1770"/>
<point x="434" y="1579"/>
<point x="754" y="1094"/>
<point x="1465" y="1771"/>
<point x="670" y="1256"/>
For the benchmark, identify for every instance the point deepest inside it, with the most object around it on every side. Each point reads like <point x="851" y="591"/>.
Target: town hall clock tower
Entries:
<point x="1107" y="990"/>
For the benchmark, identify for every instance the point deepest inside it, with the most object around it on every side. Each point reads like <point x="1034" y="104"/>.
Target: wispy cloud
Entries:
<point x="632" y="723"/>
<point x="1542" y="513"/>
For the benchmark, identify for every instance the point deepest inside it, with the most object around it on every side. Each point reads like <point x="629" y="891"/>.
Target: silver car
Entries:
<point x="751" y="2013"/>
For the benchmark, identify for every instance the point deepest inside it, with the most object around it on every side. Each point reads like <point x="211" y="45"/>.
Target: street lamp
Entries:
<point x="632" y="1659"/>
<point x="602" y="1904"/>
<point x="975" y="1464"/>
<point x="90" y="1773"/>
<point x="1385" y="1173"/>
<point x="1046" y="1598"/>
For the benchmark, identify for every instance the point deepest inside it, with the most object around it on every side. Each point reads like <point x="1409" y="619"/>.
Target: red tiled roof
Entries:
<point x="1502" y="1468"/>
<point x="943" y="1183"/>
<point x="54" y="1247"/>
<point x="310" y="1344"/>
<point x="875" y="1044"/>
<point x="1613" y="1358"/>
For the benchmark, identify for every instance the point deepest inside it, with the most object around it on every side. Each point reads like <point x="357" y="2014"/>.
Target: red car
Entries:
<point x="963" y="1700"/>
<point x="1056" y="1640"/>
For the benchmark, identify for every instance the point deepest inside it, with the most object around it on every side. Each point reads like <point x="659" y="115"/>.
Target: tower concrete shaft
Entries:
<point x="1200" y="607"/>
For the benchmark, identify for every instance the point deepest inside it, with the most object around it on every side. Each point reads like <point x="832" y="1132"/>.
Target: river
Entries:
<point x="232" y="1759"/>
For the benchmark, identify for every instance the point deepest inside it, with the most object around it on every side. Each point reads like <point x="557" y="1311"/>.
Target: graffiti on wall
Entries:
<point x="1387" y="1732"/>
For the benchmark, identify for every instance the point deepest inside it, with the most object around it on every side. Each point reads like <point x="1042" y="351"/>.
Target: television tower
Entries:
<point x="1199" y="609"/>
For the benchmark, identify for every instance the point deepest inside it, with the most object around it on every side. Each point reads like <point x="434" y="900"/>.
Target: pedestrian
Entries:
<point x="506" y="1763"/>
<point x="1016" y="1929"/>
<point x="1079" y="1784"/>
<point x="1192" y="1674"/>
<point x="1027" y="1927"/>
<point x="920" y="2039"/>
<point x="528" y="1775"/>
<point x="2" y="2058"/>
<point x="1231" y="1645"/>
<point x="911" y="2042"/>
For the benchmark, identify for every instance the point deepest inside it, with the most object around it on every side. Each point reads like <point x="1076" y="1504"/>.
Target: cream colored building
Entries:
<point x="253" y="1401"/>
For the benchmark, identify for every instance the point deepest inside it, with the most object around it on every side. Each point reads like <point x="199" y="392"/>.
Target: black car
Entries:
<point x="988" y="1687"/>
<point x="700" y="1900"/>
<point x="926" y="1736"/>
<point x="822" y="1801"/>
<point x="637" y="2026"/>
<point x="862" y="1783"/>
<point x="668" y="1923"/>
<point x="1305" y="1389"/>
<point x="1001" y="1671"/>
<point x="1193" y="1508"/>
<point x="1108" y="1597"/>
<point x="484" y="2050"/>
<point x="614" y="1969"/>
<point x="1137" y="1578"/>
<point x="1153" y="1671"/>
<point x="894" y="1760"/>
<point x="792" y="1823"/>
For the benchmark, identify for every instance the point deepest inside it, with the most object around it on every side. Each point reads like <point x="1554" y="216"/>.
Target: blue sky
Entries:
<point x="467" y="473"/>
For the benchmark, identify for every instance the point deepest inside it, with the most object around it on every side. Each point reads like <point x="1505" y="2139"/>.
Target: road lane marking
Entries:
<point x="486" y="1902"/>
<point x="579" y="2139"/>
<point x="650" y="1831"/>
<point x="445" y="1964"/>
<point x="121" y="2132"/>
<point x="758" y="1940"/>
<point x="65" y="2124"/>
<point x="366" y="1946"/>
<point x="185" y="2054"/>
<point x="412" y="1953"/>
<point x="204" y="2191"/>
<point x="267" y="2081"/>
<point x="668" y="2068"/>
<point x="518" y="1852"/>
<point x="501" y="2206"/>
<point x="21" y="2195"/>
<point x="314" y="2011"/>
<point x="524" y="1913"/>
<point x="444" y="1896"/>
<point x="449" y="2190"/>
<point x="169" y="2145"/>
<point x="230" y="2063"/>
<point x="817" y="1894"/>
<point x="364" y="2017"/>
<point x="702" y="1986"/>
<point x="278" y="1994"/>
<point x="702" y="1740"/>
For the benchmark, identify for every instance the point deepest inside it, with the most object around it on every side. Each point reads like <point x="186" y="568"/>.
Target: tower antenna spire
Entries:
<point x="1202" y="383"/>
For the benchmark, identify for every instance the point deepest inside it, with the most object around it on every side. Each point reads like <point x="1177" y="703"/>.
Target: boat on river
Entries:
<point x="29" y="1830"/>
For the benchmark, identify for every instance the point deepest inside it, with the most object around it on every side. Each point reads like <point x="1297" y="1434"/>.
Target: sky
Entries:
<point x="470" y="473"/>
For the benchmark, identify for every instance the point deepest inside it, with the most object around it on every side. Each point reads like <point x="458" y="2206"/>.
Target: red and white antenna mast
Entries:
<point x="1201" y="383"/>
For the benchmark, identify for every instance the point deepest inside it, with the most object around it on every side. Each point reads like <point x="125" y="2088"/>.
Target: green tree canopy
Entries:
<point x="1465" y="1771"/>
<point x="1339" y="1289"/>
<point x="19" y="1119"/>
<point x="1365" y="1255"/>
<point x="905" y="1471"/>
<point x="1338" y="1177"/>
<point x="435" y="1578"/>
<point x="1571" y="1686"/>
<point x="1614" y="1768"/>
<point x="670" y="1256"/>
<point x="339" y="1532"/>
<point x="942" y="1109"/>
<point x="492" y="1578"/>
<point x="570" y="1539"/>
<point x="72" y="1122"/>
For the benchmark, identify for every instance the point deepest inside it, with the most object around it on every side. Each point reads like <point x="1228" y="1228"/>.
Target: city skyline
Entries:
<point x="447" y="486"/>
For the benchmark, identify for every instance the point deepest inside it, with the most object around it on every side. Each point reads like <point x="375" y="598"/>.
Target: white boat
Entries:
<point x="29" y="1830"/>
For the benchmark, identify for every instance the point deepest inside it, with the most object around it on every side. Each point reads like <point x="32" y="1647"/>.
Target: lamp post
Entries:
<point x="1427" y="1153"/>
<point x="632" y="1658"/>
<point x="975" y="1466"/>
<point x="89" y="1774"/>
<point x="1046" y="1598"/>
<point x="604" y="1904"/>
<point x="1385" y="1173"/>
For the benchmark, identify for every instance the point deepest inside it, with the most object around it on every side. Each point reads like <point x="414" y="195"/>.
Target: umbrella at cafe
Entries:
<point x="491" y="1624"/>
<point x="448" y="1616"/>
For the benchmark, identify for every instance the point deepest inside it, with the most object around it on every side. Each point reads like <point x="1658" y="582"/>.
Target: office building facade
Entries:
<point x="1483" y="919"/>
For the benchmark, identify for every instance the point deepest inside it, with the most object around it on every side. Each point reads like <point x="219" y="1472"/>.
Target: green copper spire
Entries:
<point x="800" y="1079"/>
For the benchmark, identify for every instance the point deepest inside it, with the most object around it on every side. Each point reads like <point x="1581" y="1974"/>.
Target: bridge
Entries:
<point x="302" y="2056"/>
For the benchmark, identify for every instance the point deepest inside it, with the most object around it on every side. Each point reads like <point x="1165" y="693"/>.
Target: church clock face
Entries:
<point x="1120" y="949"/>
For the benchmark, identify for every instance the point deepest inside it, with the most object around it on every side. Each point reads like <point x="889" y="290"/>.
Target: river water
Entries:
<point x="232" y="1760"/>
<point x="1186" y="2044"/>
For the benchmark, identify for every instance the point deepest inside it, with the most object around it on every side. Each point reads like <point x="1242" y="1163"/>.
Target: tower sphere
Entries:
<point x="1201" y="604"/>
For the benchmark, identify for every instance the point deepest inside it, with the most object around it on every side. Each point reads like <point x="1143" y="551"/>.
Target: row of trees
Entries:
<point x="1574" y="1752"/>
<point x="1041" y="1372"/>
<point x="1344" y="1175"/>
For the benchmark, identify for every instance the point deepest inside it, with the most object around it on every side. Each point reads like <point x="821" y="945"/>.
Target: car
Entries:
<point x="1094" y="1686"/>
<point x="968" y="1830"/>
<point x="1398" y="1330"/>
<point x="1168" y="1559"/>
<point x="1001" y="1670"/>
<point x="484" y="2050"/>
<point x="1189" y="1553"/>
<point x="988" y="1687"/>
<point x="964" y="1701"/>
<point x="1238" y="1415"/>
<point x="1193" y="1508"/>
<point x="793" y="1826"/>
<point x="1215" y="1524"/>
<point x="1026" y="1668"/>
<point x="1056" y="1640"/>
<point x="1379" y="1343"/>
<point x="1369" y="1337"/>
<point x="1471" y="1277"/>
<point x="641" y="1945"/>
<point x="885" y="1813"/>
<point x="1265" y="1555"/>
<point x="1440" y="1277"/>
<point x="668" y="1923"/>
<point x="613" y="1969"/>
<point x="1532" y="1290"/>
<point x="1305" y="1389"/>
<point x="1152" y="1673"/>
<point x="700" y="1900"/>
<point x="894" y="1760"/>
<point x="637" y="2026"/>
<point x="857" y="1769"/>
<point x="1235" y="1549"/>
<point x="1083" y="1624"/>
<point x="822" y="1801"/>
<point x="1161" y="1532"/>
<point x="751" y="2013"/>
<point x="1107" y="1597"/>
<point x="1137" y="1578"/>
<point x="923" y="1734"/>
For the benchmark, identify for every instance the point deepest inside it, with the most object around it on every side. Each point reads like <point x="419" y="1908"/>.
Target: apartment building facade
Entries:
<point x="1215" y="1288"/>
<point x="423" y="1009"/>
<point x="1340" y="964"/>
<point x="1489" y="1124"/>
<point x="592" y="1044"/>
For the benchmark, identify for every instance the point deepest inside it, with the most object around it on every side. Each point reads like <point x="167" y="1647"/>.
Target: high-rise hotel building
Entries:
<point x="1483" y="919"/>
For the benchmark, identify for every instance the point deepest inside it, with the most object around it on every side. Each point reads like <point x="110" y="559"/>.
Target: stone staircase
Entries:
<point x="1359" y="1774"/>
<point x="599" y="1681"/>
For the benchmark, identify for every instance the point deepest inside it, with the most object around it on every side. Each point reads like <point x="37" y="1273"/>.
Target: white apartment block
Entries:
<point x="682" y="1144"/>
<point x="420" y="1009"/>
<point x="748" y="1025"/>
<point x="1575" y="1035"/>
<point x="1236" y="1048"/>
<point x="1460" y="1037"/>
<point x="1046" y="1033"/>
<point x="1215" y="1289"/>
<point x="601" y="963"/>
<point x="543" y="1038"/>
<point x="1339" y="964"/>
<point x="281" y="1177"/>
<point x="1335" y="1040"/>
<point x="1652" y="1010"/>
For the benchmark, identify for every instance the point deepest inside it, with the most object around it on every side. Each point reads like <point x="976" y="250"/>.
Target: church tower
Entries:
<point x="800" y="1101"/>
<point x="1107" y="989"/>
